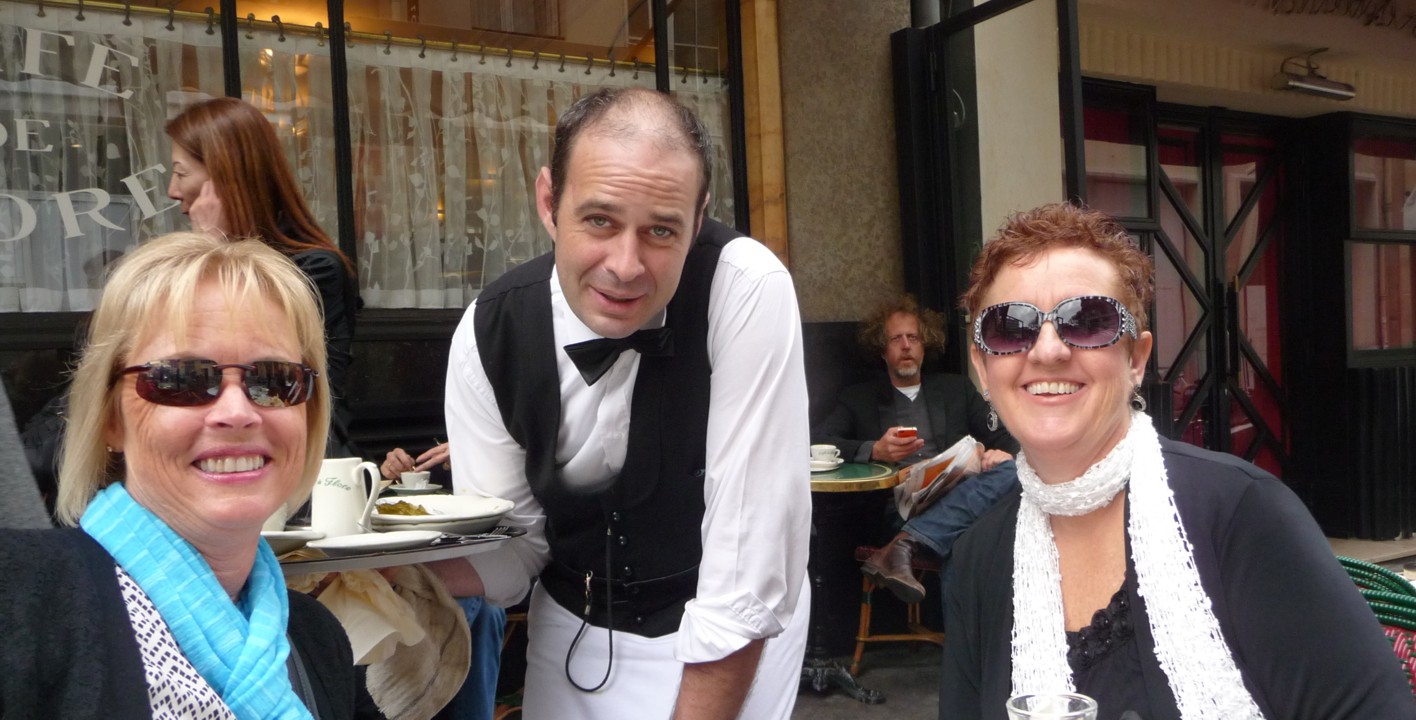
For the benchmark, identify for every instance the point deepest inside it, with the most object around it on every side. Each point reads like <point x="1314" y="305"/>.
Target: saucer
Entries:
<point x="825" y="465"/>
<point x="284" y="541"/>
<point x="428" y="489"/>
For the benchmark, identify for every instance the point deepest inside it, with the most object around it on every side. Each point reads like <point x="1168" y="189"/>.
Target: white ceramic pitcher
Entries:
<point x="339" y="504"/>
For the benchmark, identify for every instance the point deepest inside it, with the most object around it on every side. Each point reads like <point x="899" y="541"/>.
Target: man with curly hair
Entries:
<point x="909" y="416"/>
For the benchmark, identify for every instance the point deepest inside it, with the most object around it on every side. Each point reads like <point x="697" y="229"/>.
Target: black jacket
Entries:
<point x="955" y="409"/>
<point x="69" y="650"/>
<point x="1305" y="641"/>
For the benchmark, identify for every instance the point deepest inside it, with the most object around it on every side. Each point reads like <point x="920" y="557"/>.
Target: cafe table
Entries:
<point x="847" y="507"/>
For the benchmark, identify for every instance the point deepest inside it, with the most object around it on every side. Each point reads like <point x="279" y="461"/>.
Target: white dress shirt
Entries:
<point x="756" y="523"/>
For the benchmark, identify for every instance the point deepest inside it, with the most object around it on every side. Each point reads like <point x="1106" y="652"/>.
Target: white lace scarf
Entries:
<point x="1188" y="644"/>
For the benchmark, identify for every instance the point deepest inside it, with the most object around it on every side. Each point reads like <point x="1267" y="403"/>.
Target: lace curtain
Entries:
<point x="288" y="78"/>
<point x="446" y="155"/>
<point x="83" y="165"/>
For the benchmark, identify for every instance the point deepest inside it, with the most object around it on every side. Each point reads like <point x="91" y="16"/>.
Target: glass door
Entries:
<point x="1216" y="252"/>
<point x="1205" y="193"/>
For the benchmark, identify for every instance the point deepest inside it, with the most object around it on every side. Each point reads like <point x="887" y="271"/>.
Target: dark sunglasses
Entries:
<point x="1086" y="322"/>
<point x="189" y="383"/>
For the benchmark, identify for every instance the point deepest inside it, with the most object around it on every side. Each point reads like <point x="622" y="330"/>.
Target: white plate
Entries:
<point x="285" y="541"/>
<point x="375" y="542"/>
<point x="428" y="489"/>
<point x="447" y="509"/>
<point x="824" y="465"/>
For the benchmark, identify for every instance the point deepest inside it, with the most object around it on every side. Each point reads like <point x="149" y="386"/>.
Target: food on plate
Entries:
<point x="402" y="507"/>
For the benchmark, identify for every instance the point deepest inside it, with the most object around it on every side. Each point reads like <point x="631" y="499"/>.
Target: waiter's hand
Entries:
<point x="458" y="576"/>
<point x="991" y="458"/>
<point x="891" y="447"/>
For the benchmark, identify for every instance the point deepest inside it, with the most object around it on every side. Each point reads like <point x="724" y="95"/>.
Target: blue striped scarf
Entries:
<point x="239" y="648"/>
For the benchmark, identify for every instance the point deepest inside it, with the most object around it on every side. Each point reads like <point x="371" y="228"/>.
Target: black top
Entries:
<point x="339" y="299"/>
<point x="69" y="650"/>
<point x="1305" y="641"/>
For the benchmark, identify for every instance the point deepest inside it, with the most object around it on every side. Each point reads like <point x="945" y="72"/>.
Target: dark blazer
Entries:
<point x="955" y="407"/>
<point x="70" y="649"/>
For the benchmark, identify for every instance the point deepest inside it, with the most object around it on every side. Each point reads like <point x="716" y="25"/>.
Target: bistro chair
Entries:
<point x="1393" y="601"/>
<point x="1371" y="576"/>
<point x="922" y="563"/>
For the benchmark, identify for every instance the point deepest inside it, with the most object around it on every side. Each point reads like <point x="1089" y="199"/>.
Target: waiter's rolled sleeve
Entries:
<point x="757" y="520"/>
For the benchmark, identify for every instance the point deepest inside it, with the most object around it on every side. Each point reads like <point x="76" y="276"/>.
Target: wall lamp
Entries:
<point x="1309" y="80"/>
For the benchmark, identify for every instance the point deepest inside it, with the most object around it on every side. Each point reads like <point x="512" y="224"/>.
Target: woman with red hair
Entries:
<point x="230" y="175"/>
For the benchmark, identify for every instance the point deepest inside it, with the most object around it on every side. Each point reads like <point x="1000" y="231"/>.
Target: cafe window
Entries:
<point x="1384" y="183"/>
<point x="452" y="107"/>
<point x="1118" y="164"/>
<point x="84" y="159"/>
<point x="1381" y="255"/>
<point x="1384" y="300"/>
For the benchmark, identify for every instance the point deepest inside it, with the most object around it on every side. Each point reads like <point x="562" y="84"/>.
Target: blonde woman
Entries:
<point x="198" y="408"/>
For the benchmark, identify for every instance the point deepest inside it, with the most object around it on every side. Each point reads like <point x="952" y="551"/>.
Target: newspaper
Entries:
<point x="928" y="480"/>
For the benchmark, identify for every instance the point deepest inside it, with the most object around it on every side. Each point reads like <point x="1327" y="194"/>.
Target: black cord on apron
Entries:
<point x="609" y="619"/>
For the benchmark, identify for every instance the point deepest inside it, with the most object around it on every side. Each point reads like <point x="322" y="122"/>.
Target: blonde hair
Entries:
<point x="152" y="288"/>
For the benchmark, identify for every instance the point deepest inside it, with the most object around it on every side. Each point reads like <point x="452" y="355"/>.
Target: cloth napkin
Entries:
<point x="410" y="632"/>
<point x="374" y="616"/>
<point x="417" y="680"/>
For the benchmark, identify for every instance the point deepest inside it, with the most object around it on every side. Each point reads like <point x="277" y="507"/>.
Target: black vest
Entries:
<point x="639" y="539"/>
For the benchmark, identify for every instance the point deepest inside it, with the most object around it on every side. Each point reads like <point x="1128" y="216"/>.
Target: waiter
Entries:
<point x="639" y="393"/>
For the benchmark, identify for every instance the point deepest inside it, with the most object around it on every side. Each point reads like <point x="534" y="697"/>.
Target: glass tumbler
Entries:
<point x="1051" y="706"/>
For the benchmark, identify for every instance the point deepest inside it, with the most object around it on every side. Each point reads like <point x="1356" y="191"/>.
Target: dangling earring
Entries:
<point x="1138" y="403"/>
<point x="992" y="414"/>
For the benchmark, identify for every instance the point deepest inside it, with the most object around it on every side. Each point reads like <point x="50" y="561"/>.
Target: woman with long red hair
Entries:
<point x="231" y="178"/>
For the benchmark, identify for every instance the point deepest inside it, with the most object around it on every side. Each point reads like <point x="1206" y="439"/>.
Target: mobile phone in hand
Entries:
<point x="907" y="432"/>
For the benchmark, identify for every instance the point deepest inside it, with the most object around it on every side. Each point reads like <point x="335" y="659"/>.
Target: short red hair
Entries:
<point x="1027" y="235"/>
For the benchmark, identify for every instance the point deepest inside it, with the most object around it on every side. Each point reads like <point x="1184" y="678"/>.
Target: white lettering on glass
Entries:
<point x="27" y="218"/>
<point x="141" y="194"/>
<point x="71" y="218"/>
<point x="96" y="67"/>
<point x="23" y="134"/>
<point x="34" y="45"/>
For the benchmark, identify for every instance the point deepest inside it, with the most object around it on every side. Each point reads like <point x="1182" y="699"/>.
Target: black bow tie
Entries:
<point x="593" y="358"/>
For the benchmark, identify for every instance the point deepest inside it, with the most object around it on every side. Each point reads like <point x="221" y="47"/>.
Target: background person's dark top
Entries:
<point x="69" y="650"/>
<point x="865" y="411"/>
<point x="339" y="300"/>
<point x="1305" y="641"/>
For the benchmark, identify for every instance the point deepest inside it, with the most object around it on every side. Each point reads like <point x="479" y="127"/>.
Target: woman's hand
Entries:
<point x="395" y="462"/>
<point x="207" y="213"/>
<point x="437" y="455"/>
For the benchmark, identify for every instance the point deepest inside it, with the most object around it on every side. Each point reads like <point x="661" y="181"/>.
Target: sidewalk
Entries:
<point x="908" y="675"/>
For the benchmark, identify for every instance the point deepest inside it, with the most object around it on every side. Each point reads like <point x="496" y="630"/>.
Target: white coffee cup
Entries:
<point x="825" y="453"/>
<point x="276" y="521"/>
<point x="414" y="480"/>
